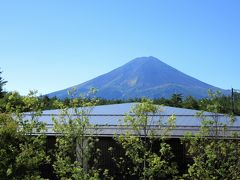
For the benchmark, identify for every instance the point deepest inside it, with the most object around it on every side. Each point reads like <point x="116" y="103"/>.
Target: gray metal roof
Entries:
<point x="108" y="117"/>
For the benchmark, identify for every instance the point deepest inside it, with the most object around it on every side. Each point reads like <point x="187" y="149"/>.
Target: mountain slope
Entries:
<point x="145" y="76"/>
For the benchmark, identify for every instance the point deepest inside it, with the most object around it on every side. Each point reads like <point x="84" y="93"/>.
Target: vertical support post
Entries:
<point x="232" y="101"/>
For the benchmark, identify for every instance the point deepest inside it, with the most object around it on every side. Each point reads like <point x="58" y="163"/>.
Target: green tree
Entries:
<point x="215" y="154"/>
<point x="236" y="104"/>
<point x="22" y="140"/>
<point x="190" y="103"/>
<point x="144" y="134"/>
<point x="176" y="100"/>
<point x="2" y="83"/>
<point x="75" y="143"/>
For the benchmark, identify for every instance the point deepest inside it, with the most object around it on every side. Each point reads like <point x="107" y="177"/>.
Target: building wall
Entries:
<point x="106" y="158"/>
<point x="178" y="150"/>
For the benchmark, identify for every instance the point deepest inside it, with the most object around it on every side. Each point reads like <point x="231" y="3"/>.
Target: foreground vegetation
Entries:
<point x="24" y="153"/>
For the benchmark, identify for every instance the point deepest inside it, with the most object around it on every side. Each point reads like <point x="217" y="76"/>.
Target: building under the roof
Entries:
<point x="107" y="118"/>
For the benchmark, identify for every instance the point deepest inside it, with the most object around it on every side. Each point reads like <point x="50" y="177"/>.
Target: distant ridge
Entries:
<point x="142" y="77"/>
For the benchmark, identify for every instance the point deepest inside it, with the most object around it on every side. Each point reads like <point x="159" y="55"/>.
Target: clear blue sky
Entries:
<point x="50" y="45"/>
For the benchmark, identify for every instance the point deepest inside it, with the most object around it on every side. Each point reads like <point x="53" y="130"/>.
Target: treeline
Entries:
<point x="228" y="104"/>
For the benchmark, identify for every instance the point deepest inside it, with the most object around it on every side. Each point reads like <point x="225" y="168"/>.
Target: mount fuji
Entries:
<point x="143" y="77"/>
